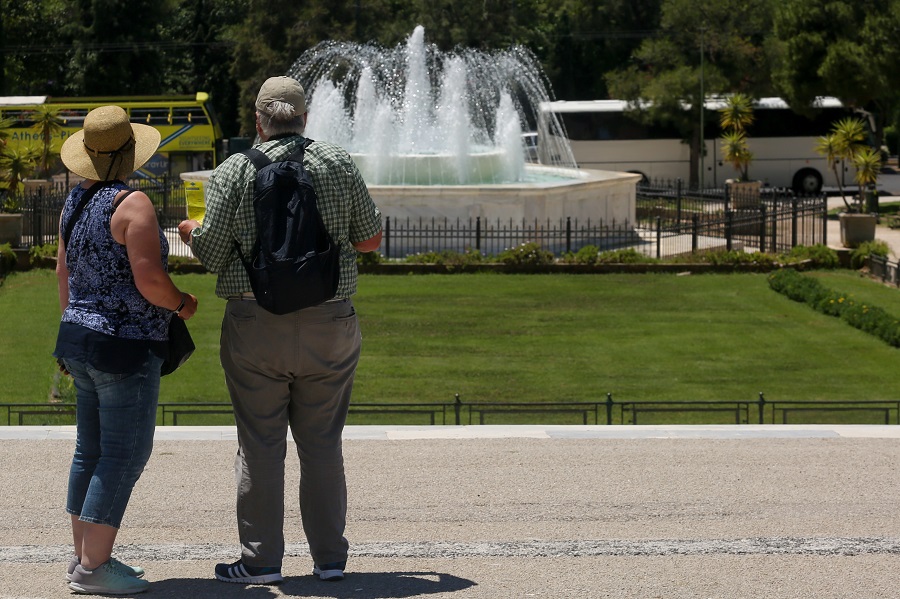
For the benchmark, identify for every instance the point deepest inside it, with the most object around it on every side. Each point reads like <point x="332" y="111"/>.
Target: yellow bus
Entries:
<point x="190" y="133"/>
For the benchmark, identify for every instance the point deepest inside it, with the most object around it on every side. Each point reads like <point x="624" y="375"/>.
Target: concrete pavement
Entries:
<point x="505" y="512"/>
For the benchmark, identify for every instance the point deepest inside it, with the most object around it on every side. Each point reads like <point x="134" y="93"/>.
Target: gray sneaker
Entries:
<point x="135" y="571"/>
<point x="105" y="579"/>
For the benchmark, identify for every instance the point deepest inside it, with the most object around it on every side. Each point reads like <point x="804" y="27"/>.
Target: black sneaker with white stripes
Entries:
<point x="242" y="573"/>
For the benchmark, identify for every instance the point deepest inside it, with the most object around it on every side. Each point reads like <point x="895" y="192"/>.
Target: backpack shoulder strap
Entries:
<point x="297" y="156"/>
<point x="259" y="159"/>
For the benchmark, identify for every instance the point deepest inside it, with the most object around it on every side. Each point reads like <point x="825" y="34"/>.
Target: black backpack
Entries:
<point x="294" y="263"/>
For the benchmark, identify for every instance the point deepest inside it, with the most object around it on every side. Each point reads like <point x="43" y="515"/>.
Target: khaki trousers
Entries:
<point x="294" y="370"/>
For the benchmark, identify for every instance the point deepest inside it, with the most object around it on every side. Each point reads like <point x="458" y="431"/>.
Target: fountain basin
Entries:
<point x="553" y="194"/>
<point x="576" y="193"/>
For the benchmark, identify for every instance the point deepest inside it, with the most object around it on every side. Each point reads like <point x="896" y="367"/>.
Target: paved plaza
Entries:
<point x="505" y="512"/>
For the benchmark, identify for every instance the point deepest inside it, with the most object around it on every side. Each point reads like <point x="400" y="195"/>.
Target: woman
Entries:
<point x="117" y="299"/>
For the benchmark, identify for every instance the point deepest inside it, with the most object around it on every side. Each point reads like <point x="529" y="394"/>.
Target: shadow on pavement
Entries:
<point x="362" y="585"/>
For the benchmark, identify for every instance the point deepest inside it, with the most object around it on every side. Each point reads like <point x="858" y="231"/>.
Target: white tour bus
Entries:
<point x="604" y="136"/>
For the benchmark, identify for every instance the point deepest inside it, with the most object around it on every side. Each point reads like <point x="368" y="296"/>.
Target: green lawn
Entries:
<point x="534" y="338"/>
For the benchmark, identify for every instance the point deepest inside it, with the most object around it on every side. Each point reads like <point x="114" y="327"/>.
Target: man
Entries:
<point x="293" y="370"/>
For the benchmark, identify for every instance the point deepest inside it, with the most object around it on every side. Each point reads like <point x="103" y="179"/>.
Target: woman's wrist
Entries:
<point x="180" y="307"/>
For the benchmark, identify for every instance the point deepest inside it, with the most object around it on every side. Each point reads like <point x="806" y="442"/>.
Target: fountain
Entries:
<point x="441" y="134"/>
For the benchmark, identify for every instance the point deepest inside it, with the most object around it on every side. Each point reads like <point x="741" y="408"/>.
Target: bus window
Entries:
<point x="73" y="117"/>
<point x="188" y="116"/>
<point x="150" y="116"/>
<point x="20" y="118"/>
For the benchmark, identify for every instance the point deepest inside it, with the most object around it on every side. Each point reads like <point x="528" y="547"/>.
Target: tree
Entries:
<point x="16" y="164"/>
<point x="583" y="38"/>
<point x="846" y="49"/>
<point x="202" y="62"/>
<point x="844" y="142"/>
<point x="116" y="47"/>
<point x="713" y="46"/>
<point x="734" y="118"/>
<point x="48" y="125"/>
<point x="30" y="61"/>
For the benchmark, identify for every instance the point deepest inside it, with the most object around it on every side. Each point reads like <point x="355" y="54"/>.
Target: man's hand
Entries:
<point x="184" y="230"/>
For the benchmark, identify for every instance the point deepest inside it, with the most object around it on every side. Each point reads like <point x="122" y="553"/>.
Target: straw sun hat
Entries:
<point x="110" y="146"/>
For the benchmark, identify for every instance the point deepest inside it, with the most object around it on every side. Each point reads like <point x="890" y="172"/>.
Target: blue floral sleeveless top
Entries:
<point x="102" y="294"/>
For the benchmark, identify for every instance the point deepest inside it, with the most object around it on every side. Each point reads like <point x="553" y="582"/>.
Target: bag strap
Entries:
<point x="122" y="197"/>
<point x="76" y="214"/>
<point x="260" y="160"/>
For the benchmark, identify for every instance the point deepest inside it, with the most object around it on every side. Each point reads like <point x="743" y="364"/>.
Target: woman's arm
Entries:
<point x="62" y="274"/>
<point x="134" y="225"/>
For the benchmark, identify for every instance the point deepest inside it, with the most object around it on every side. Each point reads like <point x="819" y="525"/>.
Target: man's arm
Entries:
<point x="369" y="245"/>
<point x="212" y="242"/>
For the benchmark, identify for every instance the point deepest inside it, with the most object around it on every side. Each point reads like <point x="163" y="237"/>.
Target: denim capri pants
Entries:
<point x="116" y="418"/>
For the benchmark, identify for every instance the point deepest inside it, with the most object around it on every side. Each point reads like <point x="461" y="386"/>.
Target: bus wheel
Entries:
<point x="807" y="182"/>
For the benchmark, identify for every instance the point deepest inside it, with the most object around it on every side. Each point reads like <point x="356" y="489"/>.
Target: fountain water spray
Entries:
<point x="413" y="115"/>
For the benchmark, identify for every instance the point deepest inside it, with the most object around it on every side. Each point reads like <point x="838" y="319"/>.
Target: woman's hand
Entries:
<point x="189" y="308"/>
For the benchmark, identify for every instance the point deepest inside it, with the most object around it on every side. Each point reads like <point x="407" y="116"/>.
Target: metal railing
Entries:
<point x="608" y="411"/>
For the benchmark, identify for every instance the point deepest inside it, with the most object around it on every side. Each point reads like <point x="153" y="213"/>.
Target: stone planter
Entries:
<point x="856" y="228"/>
<point x="11" y="229"/>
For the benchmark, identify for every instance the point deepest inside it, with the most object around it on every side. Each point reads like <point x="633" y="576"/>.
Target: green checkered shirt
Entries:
<point x="344" y="202"/>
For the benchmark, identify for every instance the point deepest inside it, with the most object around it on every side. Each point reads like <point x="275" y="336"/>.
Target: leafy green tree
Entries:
<point x="717" y="47"/>
<point x="585" y="38"/>
<point x="116" y="47"/>
<point x="202" y="61"/>
<point x="31" y="61"/>
<point x="844" y="48"/>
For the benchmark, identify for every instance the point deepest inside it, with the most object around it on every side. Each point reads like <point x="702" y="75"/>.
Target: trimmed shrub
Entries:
<point x="865" y="317"/>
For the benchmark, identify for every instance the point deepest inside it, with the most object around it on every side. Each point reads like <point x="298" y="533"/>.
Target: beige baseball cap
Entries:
<point x="281" y="89"/>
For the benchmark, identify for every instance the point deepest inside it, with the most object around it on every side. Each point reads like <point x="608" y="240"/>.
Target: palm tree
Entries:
<point x="16" y="163"/>
<point x="830" y="146"/>
<point x="843" y="143"/>
<point x="47" y="124"/>
<point x="868" y="164"/>
<point x="734" y="119"/>
<point x="737" y="114"/>
<point x="5" y="124"/>
<point x="736" y="152"/>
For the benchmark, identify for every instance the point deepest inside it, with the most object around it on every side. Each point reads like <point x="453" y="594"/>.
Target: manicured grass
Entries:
<point x="534" y="338"/>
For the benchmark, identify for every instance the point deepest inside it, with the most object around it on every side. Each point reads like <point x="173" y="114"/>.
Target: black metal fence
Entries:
<point x="733" y="218"/>
<point x="41" y="209"/>
<point x="669" y="220"/>
<point x="665" y="225"/>
<point x="608" y="411"/>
